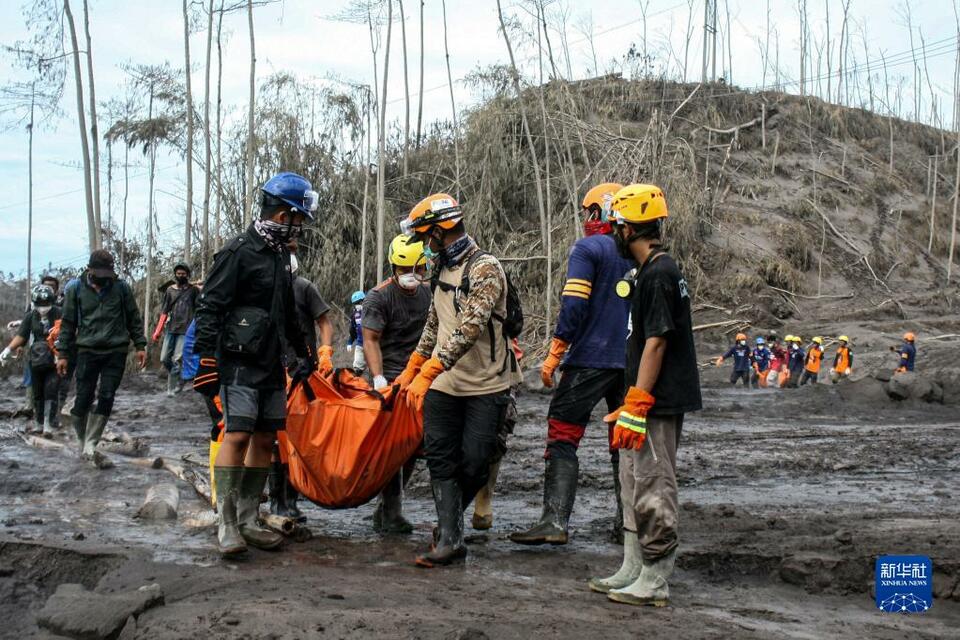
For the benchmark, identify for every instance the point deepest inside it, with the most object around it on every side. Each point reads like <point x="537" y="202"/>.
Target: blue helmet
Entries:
<point x="760" y="340"/>
<point x="357" y="296"/>
<point x="294" y="190"/>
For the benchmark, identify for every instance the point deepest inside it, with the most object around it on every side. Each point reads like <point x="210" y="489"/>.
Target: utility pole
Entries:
<point x="710" y="40"/>
<point x="33" y="102"/>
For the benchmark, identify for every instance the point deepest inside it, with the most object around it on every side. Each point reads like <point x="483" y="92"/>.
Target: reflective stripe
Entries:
<point x="586" y="283"/>
<point x="583" y="288"/>
<point x="574" y="294"/>
<point x="634" y="423"/>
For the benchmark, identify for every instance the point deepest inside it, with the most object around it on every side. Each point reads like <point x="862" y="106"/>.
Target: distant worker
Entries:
<point x="355" y="342"/>
<point x="907" y="352"/>
<point x="394" y="314"/>
<point x="589" y="348"/>
<point x="63" y="385"/>
<point x="797" y="361"/>
<point x="742" y="360"/>
<point x="665" y="385"/>
<point x="245" y="311"/>
<point x="176" y="314"/>
<point x="814" y="357"/>
<point x="761" y="363"/>
<point x="462" y="369"/>
<point x="100" y="320"/>
<point x="779" y="361"/>
<point x="843" y="361"/>
<point x="41" y="359"/>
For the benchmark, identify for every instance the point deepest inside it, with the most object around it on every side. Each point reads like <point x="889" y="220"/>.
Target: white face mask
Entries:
<point x="408" y="281"/>
<point x="43" y="310"/>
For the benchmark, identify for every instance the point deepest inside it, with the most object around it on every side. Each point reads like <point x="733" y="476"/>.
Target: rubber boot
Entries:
<point x="227" y="480"/>
<point x="171" y="383"/>
<point x="96" y="423"/>
<point x="49" y="410"/>
<point x="292" y="495"/>
<point x="276" y="487"/>
<point x="80" y="428"/>
<point x="483" y="503"/>
<point x="449" y="546"/>
<point x="618" y="523"/>
<point x="559" y="492"/>
<point x="629" y="569"/>
<point x="651" y="588"/>
<point x="248" y="510"/>
<point x="388" y="518"/>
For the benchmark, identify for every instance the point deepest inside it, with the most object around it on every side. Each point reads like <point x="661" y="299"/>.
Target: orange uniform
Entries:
<point x="814" y="357"/>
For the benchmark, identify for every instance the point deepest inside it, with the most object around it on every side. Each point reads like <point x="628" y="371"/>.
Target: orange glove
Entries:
<point x="325" y="360"/>
<point x="412" y="369"/>
<point x="718" y="361"/>
<point x="421" y="384"/>
<point x="161" y="323"/>
<point x="630" y="430"/>
<point x="557" y="348"/>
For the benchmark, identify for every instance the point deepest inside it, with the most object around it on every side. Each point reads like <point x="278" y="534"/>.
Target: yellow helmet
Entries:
<point x="405" y="255"/>
<point x="639" y="203"/>
<point x="797" y="339"/>
<point x="789" y="337"/>
<point x="843" y="339"/>
<point x="440" y="209"/>
<point x="818" y="340"/>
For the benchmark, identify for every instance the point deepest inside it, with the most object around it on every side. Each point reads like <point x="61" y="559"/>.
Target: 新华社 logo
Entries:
<point x="904" y="584"/>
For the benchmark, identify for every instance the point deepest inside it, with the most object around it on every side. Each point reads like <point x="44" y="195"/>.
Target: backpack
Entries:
<point x="511" y="323"/>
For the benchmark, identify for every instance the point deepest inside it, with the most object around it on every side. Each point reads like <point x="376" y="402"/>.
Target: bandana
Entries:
<point x="452" y="255"/>
<point x="273" y="233"/>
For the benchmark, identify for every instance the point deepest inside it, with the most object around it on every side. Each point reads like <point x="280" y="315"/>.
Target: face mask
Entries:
<point x="408" y="281"/>
<point x="44" y="310"/>
<point x="623" y="245"/>
<point x="101" y="281"/>
<point x="281" y="232"/>
<point x="181" y="280"/>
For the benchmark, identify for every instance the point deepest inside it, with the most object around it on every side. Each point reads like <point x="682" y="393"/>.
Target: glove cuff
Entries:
<point x="558" y="347"/>
<point x="431" y="369"/>
<point x="637" y="396"/>
<point x="416" y="360"/>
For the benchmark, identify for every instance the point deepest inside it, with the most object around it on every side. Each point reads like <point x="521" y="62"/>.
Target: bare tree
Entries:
<point x="453" y="104"/>
<point x="406" y="91"/>
<point x="252" y="103"/>
<point x="420" y="101"/>
<point x="207" y="172"/>
<point x="217" y="210"/>
<point x="188" y="226"/>
<point x="382" y="147"/>
<point x="585" y="27"/>
<point x="94" y="128"/>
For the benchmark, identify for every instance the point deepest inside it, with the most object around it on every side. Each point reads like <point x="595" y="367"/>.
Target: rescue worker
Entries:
<point x="461" y="371"/>
<point x="907" y="352"/>
<point x="100" y="320"/>
<point x="394" y="314"/>
<point x="811" y="367"/>
<point x="355" y="343"/>
<point x="244" y="313"/>
<point x="761" y="362"/>
<point x="176" y="314"/>
<point x="742" y="360"/>
<point x="63" y="384"/>
<point x="589" y="348"/>
<point x="842" y="361"/>
<point x="796" y="361"/>
<point x="313" y="320"/>
<point x="41" y="359"/>
<point x="665" y="385"/>
<point x="779" y="359"/>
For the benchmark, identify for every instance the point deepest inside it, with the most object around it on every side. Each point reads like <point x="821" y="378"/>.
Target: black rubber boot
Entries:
<point x="80" y="428"/>
<point x="388" y="518"/>
<point x="618" y="523"/>
<point x="559" y="492"/>
<point x="277" y="488"/>
<point x="291" y="496"/>
<point x="449" y="546"/>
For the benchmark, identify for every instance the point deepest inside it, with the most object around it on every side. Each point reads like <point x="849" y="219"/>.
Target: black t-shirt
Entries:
<point x="399" y="316"/>
<point x="310" y="306"/>
<point x="661" y="308"/>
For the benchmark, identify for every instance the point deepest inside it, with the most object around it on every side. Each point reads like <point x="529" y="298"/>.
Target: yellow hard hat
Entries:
<point x="639" y="203"/>
<point x="843" y="339"/>
<point x="403" y="254"/>
<point x="797" y="339"/>
<point x="818" y="340"/>
<point x="789" y="337"/>
<point x="596" y="194"/>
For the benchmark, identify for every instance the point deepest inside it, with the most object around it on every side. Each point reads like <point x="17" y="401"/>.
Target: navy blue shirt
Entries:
<point x="762" y="356"/>
<point x="908" y="353"/>
<point x="742" y="357"/>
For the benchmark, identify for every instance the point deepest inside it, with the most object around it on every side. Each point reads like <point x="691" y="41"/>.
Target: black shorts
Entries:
<point x="253" y="410"/>
<point x="579" y="391"/>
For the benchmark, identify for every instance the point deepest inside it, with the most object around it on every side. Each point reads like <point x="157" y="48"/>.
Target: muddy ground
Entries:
<point x="787" y="498"/>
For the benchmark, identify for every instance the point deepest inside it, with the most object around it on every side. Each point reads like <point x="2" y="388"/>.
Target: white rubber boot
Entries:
<point x="629" y="570"/>
<point x="651" y="588"/>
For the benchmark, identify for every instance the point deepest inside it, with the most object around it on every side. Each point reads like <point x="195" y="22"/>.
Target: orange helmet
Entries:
<point x="440" y="209"/>
<point x="597" y="205"/>
<point x="909" y="337"/>
<point x="741" y="336"/>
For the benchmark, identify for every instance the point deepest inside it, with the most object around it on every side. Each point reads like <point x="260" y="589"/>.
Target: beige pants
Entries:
<point x="648" y="480"/>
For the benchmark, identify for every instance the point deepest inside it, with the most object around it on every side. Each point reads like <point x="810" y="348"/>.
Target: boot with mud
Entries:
<point x="49" y="411"/>
<point x="483" y="504"/>
<point x="80" y="428"/>
<point x="172" y="379"/>
<point x="618" y="536"/>
<point x="227" y="481"/>
<point x="559" y="492"/>
<point x="629" y="570"/>
<point x="651" y="588"/>
<point x="252" y="482"/>
<point x="283" y="497"/>
<point x="448" y="544"/>
<point x="96" y="423"/>
<point x="388" y="517"/>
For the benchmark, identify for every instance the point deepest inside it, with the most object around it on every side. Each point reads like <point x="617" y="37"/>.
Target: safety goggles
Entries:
<point x="310" y="201"/>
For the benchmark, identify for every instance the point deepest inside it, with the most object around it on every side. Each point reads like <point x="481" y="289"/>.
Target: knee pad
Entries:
<point x="563" y="438"/>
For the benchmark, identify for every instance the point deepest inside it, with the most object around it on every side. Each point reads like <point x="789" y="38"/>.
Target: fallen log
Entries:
<point x="714" y="325"/>
<point x="199" y="482"/>
<point x="161" y="503"/>
<point x="137" y="448"/>
<point x="280" y="524"/>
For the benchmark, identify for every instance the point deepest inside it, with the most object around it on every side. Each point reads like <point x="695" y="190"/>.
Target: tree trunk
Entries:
<point x="515" y="77"/>
<point x="406" y="91"/>
<point x="126" y="192"/>
<point x="217" y="220"/>
<point x="933" y="204"/>
<point x="205" y="241"/>
<point x="453" y="104"/>
<point x="93" y="230"/>
<point x="248" y="195"/>
<point x="548" y="244"/>
<point x="382" y="147"/>
<point x="188" y="226"/>
<point x="953" y="222"/>
<point x="33" y="101"/>
<point x="108" y="227"/>
<point x="94" y="129"/>
<point x="420" y="101"/>
<point x="366" y="187"/>
<point x="148" y="285"/>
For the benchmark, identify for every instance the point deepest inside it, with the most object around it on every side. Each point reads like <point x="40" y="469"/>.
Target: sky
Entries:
<point x="302" y="37"/>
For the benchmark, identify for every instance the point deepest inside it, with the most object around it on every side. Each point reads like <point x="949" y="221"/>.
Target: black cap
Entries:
<point x="101" y="264"/>
<point x="184" y="266"/>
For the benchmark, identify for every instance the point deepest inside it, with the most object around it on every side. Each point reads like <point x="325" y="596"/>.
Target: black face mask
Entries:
<point x="183" y="279"/>
<point x="101" y="281"/>
<point x="623" y="245"/>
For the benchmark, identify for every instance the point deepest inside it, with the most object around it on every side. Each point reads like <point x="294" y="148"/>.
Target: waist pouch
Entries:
<point x="40" y="354"/>
<point x="245" y="331"/>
